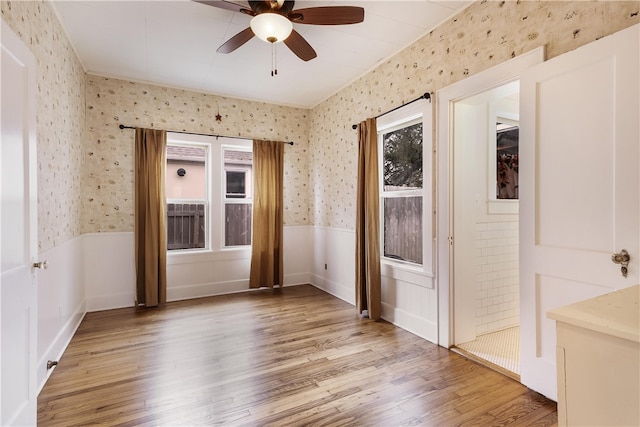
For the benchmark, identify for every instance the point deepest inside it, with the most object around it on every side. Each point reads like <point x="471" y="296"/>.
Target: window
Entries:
<point x="209" y="192"/>
<point x="186" y="192"/>
<point x="507" y="144"/>
<point x="402" y="191"/>
<point x="502" y="186"/>
<point x="238" y="197"/>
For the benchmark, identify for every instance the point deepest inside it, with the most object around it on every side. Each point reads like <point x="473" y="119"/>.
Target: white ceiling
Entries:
<point x="173" y="43"/>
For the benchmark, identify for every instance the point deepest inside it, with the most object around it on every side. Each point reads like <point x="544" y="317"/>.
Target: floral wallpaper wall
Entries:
<point x="85" y="181"/>
<point x="60" y="119"/>
<point x="108" y="180"/>
<point x="483" y="35"/>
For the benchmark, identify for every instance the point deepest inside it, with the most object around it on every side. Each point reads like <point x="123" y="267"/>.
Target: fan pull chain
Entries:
<point x="274" y="61"/>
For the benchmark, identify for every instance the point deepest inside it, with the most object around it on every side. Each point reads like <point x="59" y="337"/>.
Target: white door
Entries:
<point x="579" y="188"/>
<point x="18" y="233"/>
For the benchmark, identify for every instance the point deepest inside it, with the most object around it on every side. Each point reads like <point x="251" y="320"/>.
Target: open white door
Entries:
<point x="579" y="188"/>
<point x="18" y="233"/>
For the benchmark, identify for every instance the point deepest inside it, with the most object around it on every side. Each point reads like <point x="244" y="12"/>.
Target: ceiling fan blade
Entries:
<point x="227" y="5"/>
<point x="299" y="46"/>
<point x="328" y="15"/>
<point x="236" y="41"/>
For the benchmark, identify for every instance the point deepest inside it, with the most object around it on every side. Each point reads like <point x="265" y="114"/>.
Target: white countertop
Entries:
<point x="616" y="314"/>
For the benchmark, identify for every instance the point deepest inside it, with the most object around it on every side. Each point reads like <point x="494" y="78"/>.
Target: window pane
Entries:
<point x="186" y="173"/>
<point x="403" y="228"/>
<point x="402" y="158"/>
<point x="237" y="224"/>
<point x="238" y="166"/>
<point x="507" y="144"/>
<point x="186" y="191"/>
<point x="185" y="226"/>
<point x="236" y="188"/>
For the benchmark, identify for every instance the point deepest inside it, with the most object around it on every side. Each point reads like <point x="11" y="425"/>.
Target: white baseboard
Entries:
<point x="206" y="290"/>
<point x="229" y="287"/>
<point x="297" y="279"/>
<point x="126" y="299"/>
<point x="110" y="302"/>
<point x="333" y="288"/>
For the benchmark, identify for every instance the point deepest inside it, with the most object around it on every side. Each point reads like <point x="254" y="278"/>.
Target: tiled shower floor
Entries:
<point x="502" y="348"/>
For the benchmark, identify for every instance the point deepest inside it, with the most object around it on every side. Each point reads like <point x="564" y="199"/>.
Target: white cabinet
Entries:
<point x="598" y="360"/>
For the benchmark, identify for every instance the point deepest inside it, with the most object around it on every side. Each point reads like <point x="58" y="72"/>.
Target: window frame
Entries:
<point x="496" y="206"/>
<point x="402" y="117"/>
<point x="224" y="199"/>
<point x="216" y="194"/>
<point x="207" y="191"/>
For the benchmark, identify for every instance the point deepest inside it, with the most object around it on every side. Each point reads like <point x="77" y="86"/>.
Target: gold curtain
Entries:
<point x="368" y="288"/>
<point x="150" y="217"/>
<point x="266" y="242"/>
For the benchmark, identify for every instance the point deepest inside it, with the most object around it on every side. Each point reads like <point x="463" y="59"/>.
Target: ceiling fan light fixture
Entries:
<point x="271" y="27"/>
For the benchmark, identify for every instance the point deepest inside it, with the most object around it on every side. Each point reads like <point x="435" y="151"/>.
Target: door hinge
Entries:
<point x="450" y="240"/>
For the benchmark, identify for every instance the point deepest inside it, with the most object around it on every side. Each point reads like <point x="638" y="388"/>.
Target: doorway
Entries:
<point x="463" y="114"/>
<point x="566" y="242"/>
<point x="486" y="297"/>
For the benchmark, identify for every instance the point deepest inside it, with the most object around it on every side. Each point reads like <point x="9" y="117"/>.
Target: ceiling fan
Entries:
<point x="273" y="22"/>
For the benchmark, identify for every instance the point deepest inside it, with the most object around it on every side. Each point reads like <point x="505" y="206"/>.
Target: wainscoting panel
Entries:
<point x="334" y="264"/>
<point x="110" y="269"/>
<point x="61" y="302"/>
<point x="408" y="299"/>
<point x="411" y="303"/>
<point x="110" y="276"/>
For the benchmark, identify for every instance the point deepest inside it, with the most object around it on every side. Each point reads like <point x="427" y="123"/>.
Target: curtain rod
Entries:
<point x="201" y="134"/>
<point x="426" y="95"/>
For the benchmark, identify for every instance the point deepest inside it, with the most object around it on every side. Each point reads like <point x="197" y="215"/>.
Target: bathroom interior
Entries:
<point x="485" y="215"/>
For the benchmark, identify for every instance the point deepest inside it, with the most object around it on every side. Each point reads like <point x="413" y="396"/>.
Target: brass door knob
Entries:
<point x="623" y="259"/>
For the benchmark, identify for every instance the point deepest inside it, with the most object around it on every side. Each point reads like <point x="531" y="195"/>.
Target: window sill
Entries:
<point x="207" y="255"/>
<point x="413" y="274"/>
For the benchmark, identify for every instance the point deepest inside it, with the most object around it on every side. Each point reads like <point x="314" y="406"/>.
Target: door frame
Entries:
<point x="445" y="98"/>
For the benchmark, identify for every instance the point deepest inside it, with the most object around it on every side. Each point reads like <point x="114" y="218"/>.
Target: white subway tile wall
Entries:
<point x="497" y="269"/>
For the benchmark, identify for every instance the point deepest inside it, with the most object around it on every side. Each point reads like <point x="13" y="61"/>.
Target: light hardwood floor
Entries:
<point x="291" y="356"/>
